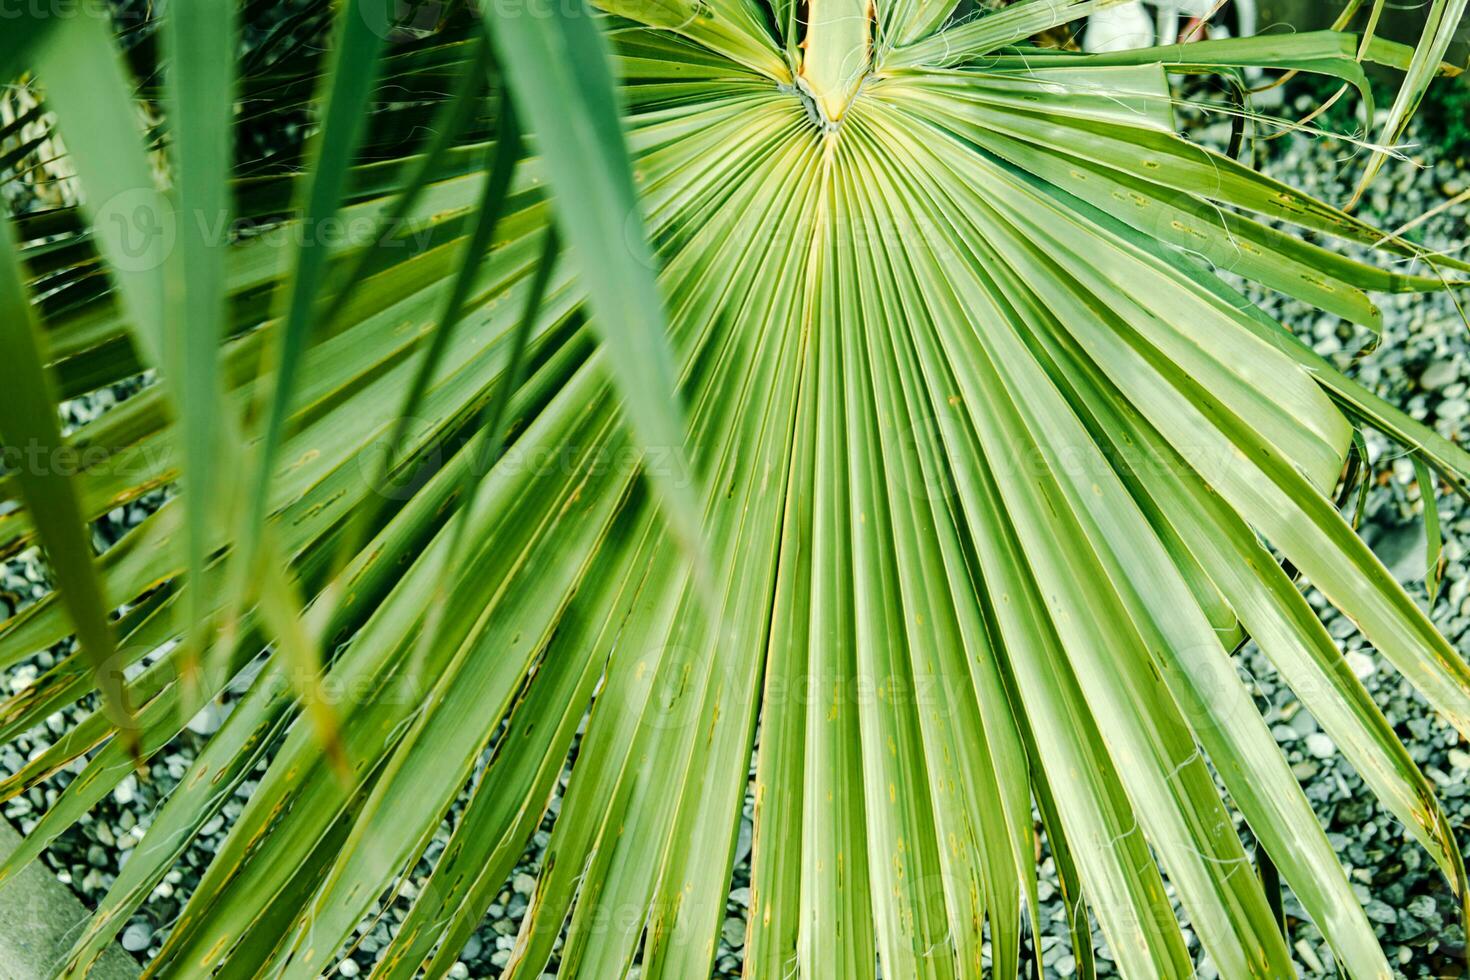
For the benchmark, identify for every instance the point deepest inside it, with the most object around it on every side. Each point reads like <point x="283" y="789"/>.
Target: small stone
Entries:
<point x="472" y="949"/>
<point x="1423" y="908"/>
<point x="1401" y="548"/>
<point x="1438" y="375"/>
<point x="1304" y="724"/>
<point x="1309" y="957"/>
<point x="22" y="680"/>
<point x="1361" y="665"/>
<point x="349" y="967"/>
<point x="1381" y="912"/>
<point x="523" y="884"/>
<point x="126" y="791"/>
<point x="137" y="936"/>
<point x="1460" y="759"/>
<point x="208" y="720"/>
<point x="743" y="842"/>
<point x="733" y="933"/>
<point x="1319" y="746"/>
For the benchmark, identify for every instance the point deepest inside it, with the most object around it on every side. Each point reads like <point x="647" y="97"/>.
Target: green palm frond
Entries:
<point x="887" y="418"/>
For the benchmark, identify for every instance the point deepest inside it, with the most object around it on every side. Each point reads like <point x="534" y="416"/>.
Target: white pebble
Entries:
<point x="208" y="720"/>
<point x="1361" y="665"/>
<point x="126" y="790"/>
<point x="1319" y="745"/>
<point x="135" y="938"/>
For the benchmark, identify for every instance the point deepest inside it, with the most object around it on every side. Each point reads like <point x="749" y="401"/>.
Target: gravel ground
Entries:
<point x="1424" y="363"/>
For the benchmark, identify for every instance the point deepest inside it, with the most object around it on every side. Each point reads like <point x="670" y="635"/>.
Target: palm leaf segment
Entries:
<point x="989" y="458"/>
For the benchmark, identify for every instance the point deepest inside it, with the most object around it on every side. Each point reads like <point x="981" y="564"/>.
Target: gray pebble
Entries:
<point x="733" y="933"/>
<point x="137" y="936"/>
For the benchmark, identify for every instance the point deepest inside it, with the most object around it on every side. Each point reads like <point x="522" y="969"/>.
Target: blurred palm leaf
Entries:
<point x="984" y="471"/>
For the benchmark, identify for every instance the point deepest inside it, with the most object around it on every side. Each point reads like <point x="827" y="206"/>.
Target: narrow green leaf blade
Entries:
<point x="29" y="425"/>
<point x="1433" y="539"/>
<point x="201" y="38"/>
<point x="1444" y="20"/>
<point x="558" y="68"/>
<point x="347" y="89"/>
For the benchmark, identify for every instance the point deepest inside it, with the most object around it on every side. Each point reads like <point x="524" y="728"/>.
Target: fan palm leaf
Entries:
<point x="984" y="472"/>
